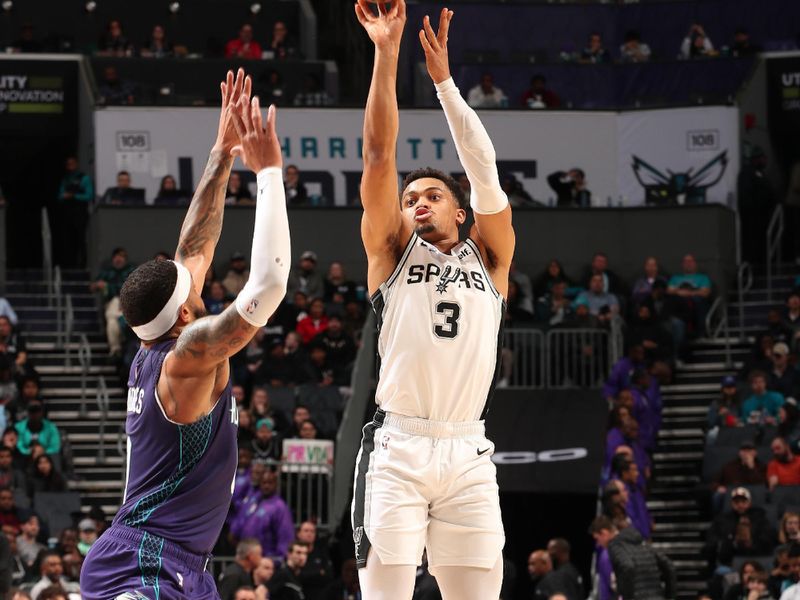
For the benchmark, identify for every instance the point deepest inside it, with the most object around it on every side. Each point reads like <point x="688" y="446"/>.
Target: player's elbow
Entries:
<point x="378" y="157"/>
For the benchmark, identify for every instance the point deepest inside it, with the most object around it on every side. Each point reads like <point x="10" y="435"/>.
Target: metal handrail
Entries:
<point x="85" y="361"/>
<point x="69" y="326"/>
<point x="59" y="304"/>
<point x="47" y="256"/>
<point x="774" y="245"/>
<point x="103" y="403"/>
<point x="720" y="309"/>
<point x="744" y="279"/>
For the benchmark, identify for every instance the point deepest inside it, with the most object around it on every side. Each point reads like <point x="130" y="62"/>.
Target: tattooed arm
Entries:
<point x="203" y="223"/>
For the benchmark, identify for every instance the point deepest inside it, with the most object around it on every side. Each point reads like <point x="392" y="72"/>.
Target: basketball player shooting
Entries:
<point x="424" y="476"/>
<point x="182" y="419"/>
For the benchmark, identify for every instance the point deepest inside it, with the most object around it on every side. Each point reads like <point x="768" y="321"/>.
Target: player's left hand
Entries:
<point x="232" y="91"/>
<point x="435" y="46"/>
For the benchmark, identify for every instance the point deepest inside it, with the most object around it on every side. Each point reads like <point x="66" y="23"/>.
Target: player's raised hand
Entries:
<point x="232" y="90"/>
<point x="386" y="28"/>
<point x="258" y="146"/>
<point x="435" y="46"/>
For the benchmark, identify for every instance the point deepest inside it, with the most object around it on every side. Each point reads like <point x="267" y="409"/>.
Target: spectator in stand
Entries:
<point x="346" y="586"/>
<point x="744" y="531"/>
<point x="122" y="193"/>
<point x="217" y="295"/>
<point x="620" y="377"/>
<point x="26" y="43"/>
<point x="636" y="508"/>
<point x="45" y="478"/>
<point x="789" y="530"/>
<point x="603" y="531"/>
<point x="742" y="45"/>
<point x="286" y="584"/>
<point x="75" y="195"/>
<point x="538" y="96"/>
<point x="52" y="571"/>
<point x="614" y="501"/>
<point x="554" y="307"/>
<point x="647" y="331"/>
<point x="312" y="94"/>
<point x="784" y="468"/>
<point x="243" y="46"/>
<point x="338" y="289"/>
<point x="792" y="592"/>
<point x="643" y="287"/>
<point x="781" y="578"/>
<point x="262" y="575"/>
<point x="10" y="477"/>
<point x="282" y="45"/>
<point x="109" y="283"/>
<point x="611" y="281"/>
<point x="789" y="423"/>
<point x="517" y="195"/>
<point x="262" y="409"/>
<point x="776" y="328"/>
<point x="157" y="46"/>
<point x="245" y="491"/>
<point x="114" y="42"/>
<point x="38" y="429"/>
<point x="570" y="188"/>
<point x="10" y="515"/>
<point x="13" y="348"/>
<point x="554" y="273"/>
<point x="603" y="305"/>
<point x="647" y="407"/>
<point x="27" y="546"/>
<point x="317" y="573"/>
<point x="296" y="193"/>
<point x="266" y="518"/>
<point x="640" y="570"/>
<point x="539" y="566"/>
<point x="595" y="52"/>
<point x="757" y="587"/>
<point x="340" y="350"/>
<point x="691" y="290"/>
<point x="7" y="311"/>
<point x="696" y="43"/>
<point x="169" y="194"/>
<point x="761" y="357"/>
<point x="53" y="592"/>
<point x="791" y="315"/>
<point x="237" y="193"/>
<point x="114" y="90"/>
<point x="633" y="50"/>
<point x="665" y="312"/>
<point x="267" y="444"/>
<point x="87" y="534"/>
<point x="10" y="439"/>
<point x="240" y="572"/>
<point x="570" y="581"/>
<point x="783" y="378"/>
<point x="306" y="278"/>
<point x="237" y="274"/>
<point x="486" y="94"/>
<point x="725" y="410"/>
<point x="308" y="431"/>
<point x="315" y="323"/>
<point x="762" y="406"/>
<point x="300" y="415"/>
<point x="524" y="285"/>
<point x="746" y="469"/>
<point x="8" y="387"/>
<point x="274" y="89"/>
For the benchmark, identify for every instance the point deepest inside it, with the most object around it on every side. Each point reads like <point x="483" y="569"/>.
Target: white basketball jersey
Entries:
<point x="439" y="323"/>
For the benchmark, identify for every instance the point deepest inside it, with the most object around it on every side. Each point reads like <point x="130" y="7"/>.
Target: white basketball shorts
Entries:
<point x="426" y="484"/>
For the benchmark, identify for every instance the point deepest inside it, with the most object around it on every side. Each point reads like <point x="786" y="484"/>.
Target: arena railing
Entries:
<point x="85" y="361"/>
<point x="65" y="307"/>
<point x="744" y="283"/>
<point x="774" y="246"/>
<point x="523" y="355"/>
<point x="103" y="402"/>
<point x="577" y="358"/>
<point x="717" y="326"/>
<point x="47" y="256"/>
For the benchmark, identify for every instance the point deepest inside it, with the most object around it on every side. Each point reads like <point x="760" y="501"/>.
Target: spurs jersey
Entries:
<point x="439" y="326"/>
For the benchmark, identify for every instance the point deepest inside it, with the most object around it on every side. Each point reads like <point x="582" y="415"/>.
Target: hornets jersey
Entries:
<point x="439" y="334"/>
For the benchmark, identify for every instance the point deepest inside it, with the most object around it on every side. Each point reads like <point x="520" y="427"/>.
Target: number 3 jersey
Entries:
<point x="439" y="334"/>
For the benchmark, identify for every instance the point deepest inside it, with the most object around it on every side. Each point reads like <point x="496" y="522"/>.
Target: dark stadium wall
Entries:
<point x="3" y="251"/>
<point x="627" y="235"/>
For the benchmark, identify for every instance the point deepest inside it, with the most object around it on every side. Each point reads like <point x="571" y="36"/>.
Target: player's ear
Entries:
<point x="461" y="216"/>
<point x="185" y="314"/>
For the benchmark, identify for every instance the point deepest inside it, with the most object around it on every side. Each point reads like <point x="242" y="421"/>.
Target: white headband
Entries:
<point x="165" y="319"/>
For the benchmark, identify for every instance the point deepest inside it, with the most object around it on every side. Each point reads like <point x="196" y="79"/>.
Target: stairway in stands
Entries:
<point x="99" y="483"/>
<point x="678" y="496"/>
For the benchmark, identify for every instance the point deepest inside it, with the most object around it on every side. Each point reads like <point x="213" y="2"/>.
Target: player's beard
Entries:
<point x="425" y="228"/>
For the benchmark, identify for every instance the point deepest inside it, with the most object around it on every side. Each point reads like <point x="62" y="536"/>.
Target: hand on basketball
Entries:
<point x="386" y="28"/>
<point x="232" y="91"/>
<point x="435" y="46"/>
<point x="258" y="147"/>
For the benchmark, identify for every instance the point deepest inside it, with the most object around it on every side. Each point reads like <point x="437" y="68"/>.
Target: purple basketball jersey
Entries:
<point x="180" y="477"/>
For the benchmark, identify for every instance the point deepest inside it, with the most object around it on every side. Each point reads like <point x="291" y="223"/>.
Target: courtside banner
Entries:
<point x="326" y="145"/>
<point x="547" y="441"/>
<point x="783" y="97"/>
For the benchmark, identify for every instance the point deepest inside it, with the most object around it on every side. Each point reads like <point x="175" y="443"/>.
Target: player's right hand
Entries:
<point x="386" y="28"/>
<point x="232" y="91"/>
<point x="435" y="46"/>
<point x="258" y="146"/>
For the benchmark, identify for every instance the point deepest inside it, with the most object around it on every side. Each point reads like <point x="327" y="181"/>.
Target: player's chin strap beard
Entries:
<point x="168" y="315"/>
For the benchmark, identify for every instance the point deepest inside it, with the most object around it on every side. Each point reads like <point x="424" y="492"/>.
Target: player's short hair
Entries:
<point x="452" y="184"/>
<point x="246" y="546"/>
<point x="147" y="290"/>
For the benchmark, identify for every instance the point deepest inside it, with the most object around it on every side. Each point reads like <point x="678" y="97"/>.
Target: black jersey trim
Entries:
<point x="474" y="246"/>
<point x="498" y="364"/>
<point x="398" y="269"/>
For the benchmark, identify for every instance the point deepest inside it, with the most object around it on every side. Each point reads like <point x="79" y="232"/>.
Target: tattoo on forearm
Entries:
<point x="203" y="222"/>
<point x="214" y="337"/>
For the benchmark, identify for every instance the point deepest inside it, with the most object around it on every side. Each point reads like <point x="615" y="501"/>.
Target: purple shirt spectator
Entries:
<point x="266" y="518"/>
<point x="647" y="405"/>
<point x="623" y="369"/>
<point x="604" y="572"/>
<point x="637" y="510"/>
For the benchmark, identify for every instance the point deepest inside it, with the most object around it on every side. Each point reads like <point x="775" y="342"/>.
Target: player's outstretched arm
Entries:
<point x="203" y="222"/>
<point x="476" y="152"/>
<point x="204" y="344"/>
<point x="382" y="223"/>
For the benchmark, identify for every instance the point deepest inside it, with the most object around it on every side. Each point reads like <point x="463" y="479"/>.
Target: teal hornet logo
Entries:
<point x="679" y="188"/>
